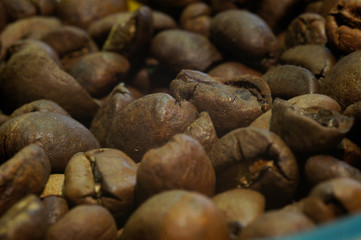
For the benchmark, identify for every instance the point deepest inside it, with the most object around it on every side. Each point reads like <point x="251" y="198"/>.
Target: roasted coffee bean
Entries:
<point x="343" y="82"/>
<point x="43" y="80"/>
<point x="288" y="81"/>
<point x="52" y="131"/>
<point x="349" y="152"/>
<point x="3" y="118"/>
<point x="255" y="158"/>
<point x="41" y="105"/>
<point x="17" y="9"/>
<point x="342" y="193"/>
<point x="246" y="36"/>
<point x="101" y="176"/>
<point x="196" y="18"/>
<point x="231" y="102"/>
<point x="84" y="222"/>
<point x="276" y="224"/>
<point x="321" y="168"/>
<point x="203" y="131"/>
<point x="26" y="219"/>
<point x="240" y="207"/>
<point x="311" y="129"/>
<point x="82" y="13"/>
<point x="157" y="173"/>
<point x="56" y="207"/>
<point x="232" y="70"/>
<point x="25" y="173"/>
<point x="176" y="215"/>
<point x="180" y="49"/>
<point x="342" y="25"/>
<point x="354" y="110"/>
<point x="105" y="119"/>
<point x="154" y="119"/>
<point x="316" y="58"/>
<point x="99" y="72"/>
<point x="307" y="28"/>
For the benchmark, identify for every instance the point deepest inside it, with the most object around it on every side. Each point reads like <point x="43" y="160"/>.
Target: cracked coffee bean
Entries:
<point x="157" y="173"/>
<point x="26" y="219"/>
<point x="231" y="103"/>
<point x="313" y="129"/>
<point x="177" y="215"/>
<point x="257" y="159"/>
<point x="84" y="222"/>
<point x="52" y="131"/>
<point x="25" y="173"/>
<point x="103" y="177"/>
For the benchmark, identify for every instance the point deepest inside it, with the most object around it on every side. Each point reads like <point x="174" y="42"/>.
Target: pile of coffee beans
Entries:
<point x="178" y="120"/>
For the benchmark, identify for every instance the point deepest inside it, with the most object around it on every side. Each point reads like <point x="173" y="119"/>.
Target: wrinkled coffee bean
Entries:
<point x="311" y="129"/>
<point x="26" y="219"/>
<point x="177" y="215"/>
<point x="203" y="131"/>
<point x="52" y="131"/>
<point x="321" y="168"/>
<point x="156" y="170"/>
<point x="196" y="18"/>
<point x="84" y="222"/>
<point x="307" y="28"/>
<point x="231" y="103"/>
<point x="99" y="72"/>
<point x="232" y="70"/>
<point x="240" y="207"/>
<point x="41" y="105"/>
<point x="246" y="36"/>
<point x="276" y="224"/>
<point x="25" y="173"/>
<point x="342" y="25"/>
<point x="56" y="207"/>
<point x="287" y="81"/>
<point x="316" y="58"/>
<point x="101" y="176"/>
<point x="180" y="49"/>
<point x="154" y="118"/>
<point x="255" y="158"/>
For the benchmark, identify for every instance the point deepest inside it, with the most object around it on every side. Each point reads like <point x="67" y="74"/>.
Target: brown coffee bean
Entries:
<point x="276" y="224"/>
<point x="101" y="176"/>
<point x="306" y="28"/>
<point x="82" y="13"/>
<point x="180" y="49"/>
<point x="316" y="58"/>
<point x="26" y="219"/>
<point x="56" y="207"/>
<point x="240" y="207"/>
<point x="25" y="173"/>
<point x="203" y="131"/>
<point x="349" y="152"/>
<point x="342" y="26"/>
<point x="182" y="163"/>
<point x="288" y="81"/>
<point x="196" y="18"/>
<point x="232" y="70"/>
<point x="84" y="222"/>
<point x="154" y="119"/>
<point x="257" y="159"/>
<point x="245" y="36"/>
<point x="163" y="21"/>
<point x="343" y="82"/>
<point x="231" y="103"/>
<point x="105" y="118"/>
<point x="304" y="101"/>
<point x="343" y="193"/>
<point x="3" y="118"/>
<point x="52" y="131"/>
<point x="321" y="168"/>
<point x="43" y="80"/>
<point x="54" y="186"/>
<point x="176" y="215"/>
<point x="312" y="129"/>
<point x="32" y="27"/>
<point x="99" y="72"/>
<point x="41" y="105"/>
<point x="130" y="36"/>
<point x="17" y="9"/>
